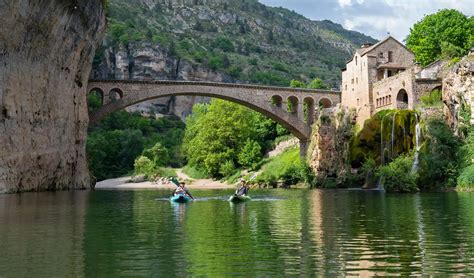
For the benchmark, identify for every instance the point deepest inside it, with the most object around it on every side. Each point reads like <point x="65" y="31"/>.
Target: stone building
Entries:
<point x="385" y="76"/>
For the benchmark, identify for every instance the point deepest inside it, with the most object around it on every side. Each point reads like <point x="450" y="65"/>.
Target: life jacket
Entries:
<point x="180" y="190"/>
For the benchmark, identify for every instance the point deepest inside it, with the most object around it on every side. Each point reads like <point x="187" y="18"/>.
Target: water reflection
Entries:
<point x="41" y="234"/>
<point x="299" y="233"/>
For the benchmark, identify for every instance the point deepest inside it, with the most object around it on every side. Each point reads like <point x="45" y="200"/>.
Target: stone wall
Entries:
<point x="385" y="91"/>
<point x="46" y="51"/>
<point x="363" y="72"/>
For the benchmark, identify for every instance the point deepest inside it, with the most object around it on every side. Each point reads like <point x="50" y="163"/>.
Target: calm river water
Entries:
<point x="280" y="233"/>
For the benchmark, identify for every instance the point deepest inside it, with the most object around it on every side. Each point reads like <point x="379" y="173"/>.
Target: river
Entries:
<point x="279" y="233"/>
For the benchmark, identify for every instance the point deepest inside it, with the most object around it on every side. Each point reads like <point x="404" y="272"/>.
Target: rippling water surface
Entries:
<point x="279" y="233"/>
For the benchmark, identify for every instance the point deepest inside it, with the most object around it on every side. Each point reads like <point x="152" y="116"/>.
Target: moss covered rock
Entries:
<point x="384" y="137"/>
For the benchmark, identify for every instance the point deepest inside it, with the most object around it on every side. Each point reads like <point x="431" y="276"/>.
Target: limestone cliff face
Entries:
<point x="151" y="61"/>
<point x="46" y="52"/>
<point x="458" y="94"/>
<point x="329" y="148"/>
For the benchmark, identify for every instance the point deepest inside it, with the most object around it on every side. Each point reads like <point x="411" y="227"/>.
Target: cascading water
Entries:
<point x="393" y="135"/>
<point x="382" y="158"/>
<point x="382" y="155"/>
<point x="417" y="147"/>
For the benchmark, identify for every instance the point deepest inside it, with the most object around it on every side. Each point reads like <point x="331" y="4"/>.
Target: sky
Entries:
<point x="376" y="18"/>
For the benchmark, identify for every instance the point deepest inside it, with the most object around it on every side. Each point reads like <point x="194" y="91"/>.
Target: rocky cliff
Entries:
<point x="329" y="152"/>
<point x="46" y="52"/>
<point x="458" y="95"/>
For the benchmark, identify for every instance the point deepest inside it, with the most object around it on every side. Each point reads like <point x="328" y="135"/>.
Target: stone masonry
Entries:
<point x="385" y="76"/>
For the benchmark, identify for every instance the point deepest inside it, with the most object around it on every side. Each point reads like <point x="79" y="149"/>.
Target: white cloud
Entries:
<point x="344" y="3"/>
<point x="374" y="17"/>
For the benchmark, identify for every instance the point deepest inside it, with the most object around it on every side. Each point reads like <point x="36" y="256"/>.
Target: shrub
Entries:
<point x="227" y="169"/>
<point x="432" y="99"/>
<point x="397" y="176"/>
<point x="235" y="71"/>
<point x="466" y="179"/>
<point x="292" y="175"/>
<point x="224" y="44"/>
<point x="143" y="165"/>
<point x="253" y="61"/>
<point x="439" y="156"/>
<point x="216" y="63"/>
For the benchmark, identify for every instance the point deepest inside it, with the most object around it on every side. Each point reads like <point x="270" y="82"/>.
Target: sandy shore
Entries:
<point x="124" y="183"/>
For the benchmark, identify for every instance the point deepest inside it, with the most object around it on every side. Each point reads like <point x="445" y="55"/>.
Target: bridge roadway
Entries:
<point x="293" y="108"/>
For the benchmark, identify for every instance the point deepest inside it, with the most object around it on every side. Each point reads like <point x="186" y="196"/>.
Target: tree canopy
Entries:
<point x="222" y="136"/>
<point x="445" y="34"/>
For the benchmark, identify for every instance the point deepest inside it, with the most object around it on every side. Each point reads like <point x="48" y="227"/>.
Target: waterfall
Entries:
<point x="393" y="133"/>
<point x="382" y="158"/>
<point x="417" y="147"/>
<point x="380" y="183"/>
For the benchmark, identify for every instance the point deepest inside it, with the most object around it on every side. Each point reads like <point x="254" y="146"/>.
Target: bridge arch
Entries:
<point x="325" y="102"/>
<point x="263" y="99"/>
<point x="309" y="108"/>
<point x="115" y="94"/>
<point x="277" y="101"/>
<point x="97" y="92"/>
<point x="292" y="106"/>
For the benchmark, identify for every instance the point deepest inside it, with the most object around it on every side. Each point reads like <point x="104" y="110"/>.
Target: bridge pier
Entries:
<point x="304" y="144"/>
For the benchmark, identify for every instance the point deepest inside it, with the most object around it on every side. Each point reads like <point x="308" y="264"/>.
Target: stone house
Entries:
<point x="385" y="76"/>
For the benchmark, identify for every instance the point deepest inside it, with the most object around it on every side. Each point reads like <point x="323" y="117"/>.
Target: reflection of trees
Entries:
<point x="130" y="233"/>
<point x="41" y="234"/>
<point x="333" y="233"/>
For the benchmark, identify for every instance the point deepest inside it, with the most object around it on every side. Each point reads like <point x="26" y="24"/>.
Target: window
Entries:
<point x="381" y="55"/>
<point x="356" y="60"/>
<point x="389" y="73"/>
<point x="357" y="80"/>
<point x="346" y="87"/>
<point x="358" y="102"/>
<point x="390" y="56"/>
<point x="352" y="81"/>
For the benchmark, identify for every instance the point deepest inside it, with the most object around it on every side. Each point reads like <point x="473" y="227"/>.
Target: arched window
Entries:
<point x="402" y="99"/>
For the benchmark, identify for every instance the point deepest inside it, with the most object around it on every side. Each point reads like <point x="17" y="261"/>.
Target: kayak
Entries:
<point x="239" y="198"/>
<point x="180" y="198"/>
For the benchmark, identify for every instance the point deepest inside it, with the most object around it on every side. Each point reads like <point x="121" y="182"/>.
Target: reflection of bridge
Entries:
<point x="293" y="108"/>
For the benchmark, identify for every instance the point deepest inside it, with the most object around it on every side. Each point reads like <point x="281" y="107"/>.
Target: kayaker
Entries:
<point x="243" y="189"/>
<point x="181" y="189"/>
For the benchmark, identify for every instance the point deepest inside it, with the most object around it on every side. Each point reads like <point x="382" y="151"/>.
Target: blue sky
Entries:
<point x="373" y="17"/>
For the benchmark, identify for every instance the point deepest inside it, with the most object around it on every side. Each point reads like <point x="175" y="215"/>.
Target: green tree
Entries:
<point x="251" y="154"/>
<point x="297" y="84"/>
<point x="217" y="133"/>
<point x="445" y="34"/>
<point x="143" y="165"/>
<point x="158" y="154"/>
<point x="318" y="83"/>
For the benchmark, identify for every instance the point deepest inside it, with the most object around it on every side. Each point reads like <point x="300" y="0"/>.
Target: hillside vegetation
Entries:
<point x="246" y="40"/>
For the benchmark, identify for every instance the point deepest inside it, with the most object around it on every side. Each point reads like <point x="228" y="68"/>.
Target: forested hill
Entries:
<point x="221" y="40"/>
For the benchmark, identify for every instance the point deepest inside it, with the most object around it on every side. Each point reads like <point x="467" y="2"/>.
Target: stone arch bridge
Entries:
<point x="293" y="108"/>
